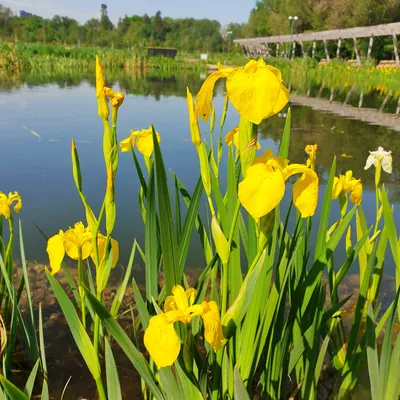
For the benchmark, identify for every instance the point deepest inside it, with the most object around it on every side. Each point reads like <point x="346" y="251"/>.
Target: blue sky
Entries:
<point x="224" y="11"/>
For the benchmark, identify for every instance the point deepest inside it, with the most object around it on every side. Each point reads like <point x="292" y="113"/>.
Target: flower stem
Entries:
<point x="224" y="288"/>
<point x="100" y="389"/>
<point x="80" y="283"/>
<point x="97" y="329"/>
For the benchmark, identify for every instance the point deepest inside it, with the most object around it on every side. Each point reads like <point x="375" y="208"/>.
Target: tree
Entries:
<point x="105" y="22"/>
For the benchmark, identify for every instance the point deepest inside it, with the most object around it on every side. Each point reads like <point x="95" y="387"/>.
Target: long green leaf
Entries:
<point x="372" y="356"/>
<point x="119" y="296"/>
<point x="167" y="231"/>
<point x="151" y="240"/>
<point x="79" y="334"/>
<point x="240" y="391"/>
<point x="31" y="379"/>
<point x="285" y="140"/>
<point x="324" y="220"/>
<point x="113" y="386"/>
<point x="13" y="392"/>
<point x="237" y="310"/>
<point x="190" y="221"/>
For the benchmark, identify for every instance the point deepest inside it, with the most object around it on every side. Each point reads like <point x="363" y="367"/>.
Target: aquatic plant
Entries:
<point x="261" y="320"/>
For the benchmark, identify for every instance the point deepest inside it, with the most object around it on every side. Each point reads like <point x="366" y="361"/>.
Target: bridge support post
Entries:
<point x="371" y="42"/>
<point x="293" y="49"/>
<point x="356" y="51"/>
<point x="277" y="50"/>
<point x="302" y="49"/>
<point x="314" y="45"/>
<point x="326" y="52"/>
<point x="339" y="45"/>
<point x="396" y="50"/>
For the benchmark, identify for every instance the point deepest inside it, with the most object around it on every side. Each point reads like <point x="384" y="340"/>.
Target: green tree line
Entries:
<point x="186" y="34"/>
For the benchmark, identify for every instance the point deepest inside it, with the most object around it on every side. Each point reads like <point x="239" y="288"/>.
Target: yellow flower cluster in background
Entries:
<point x="6" y="203"/>
<point x="160" y="338"/>
<point x="347" y="184"/>
<point x="77" y="243"/>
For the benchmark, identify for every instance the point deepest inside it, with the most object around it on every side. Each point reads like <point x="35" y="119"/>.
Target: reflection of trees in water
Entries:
<point x="336" y="136"/>
<point x="144" y="83"/>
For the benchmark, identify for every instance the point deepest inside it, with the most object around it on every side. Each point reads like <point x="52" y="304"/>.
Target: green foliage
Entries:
<point x="186" y="34"/>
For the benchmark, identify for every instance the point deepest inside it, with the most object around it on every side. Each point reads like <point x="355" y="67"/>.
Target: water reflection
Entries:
<point x="59" y="107"/>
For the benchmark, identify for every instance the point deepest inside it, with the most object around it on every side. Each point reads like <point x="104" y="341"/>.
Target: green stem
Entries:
<point x="100" y="389"/>
<point x="224" y="288"/>
<point x="97" y="329"/>
<point x="80" y="286"/>
<point x="234" y="221"/>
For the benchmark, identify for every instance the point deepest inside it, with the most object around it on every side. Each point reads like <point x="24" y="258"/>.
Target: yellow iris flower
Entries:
<point x="255" y="90"/>
<point x="117" y="98"/>
<point x="74" y="241"/>
<point x="100" y="92"/>
<point x="233" y="137"/>
<point x="6" y="203"/>
<point x="160" y="338"/>
<point x="311" y="150"/>
<point x="264" y="186"/>
<point x="194" y="125"/>
<point x="347" y="184"/>
<point x="143" y="140"/>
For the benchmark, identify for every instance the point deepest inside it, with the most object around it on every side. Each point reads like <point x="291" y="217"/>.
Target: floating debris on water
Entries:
<point x="33" y="132"/>
<point x="344" y="155"/>
<point x="83" y="141"/>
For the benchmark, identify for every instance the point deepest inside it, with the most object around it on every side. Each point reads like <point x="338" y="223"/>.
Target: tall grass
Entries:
<point x="22" y="58"/>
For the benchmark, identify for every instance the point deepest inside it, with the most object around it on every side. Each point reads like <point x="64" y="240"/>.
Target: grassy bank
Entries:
<point x="22" y="58"/>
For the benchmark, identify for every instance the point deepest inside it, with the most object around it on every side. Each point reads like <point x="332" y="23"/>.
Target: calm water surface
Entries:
<point x="58" y="109"/>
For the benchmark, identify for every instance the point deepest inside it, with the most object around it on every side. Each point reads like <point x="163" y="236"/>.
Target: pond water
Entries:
<point x="40" y="114"/>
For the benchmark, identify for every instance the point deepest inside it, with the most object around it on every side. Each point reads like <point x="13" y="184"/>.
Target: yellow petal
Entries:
<point x="181" y="299"/>
<point x="356" y="194"/>
<point x="126" y="144"/>
<point x="231" y="137"/>
<point x="5" y="209"/>
<point x="305" y="195"/>
<point x="262" y="189"/>
<point x="15" y="198"/>
<point x="99" y="78"/>
<point x="101" y="243"/>
<point x="56" y="252"/>
<point x="337" y="188"/>
<point x="256" y="92"/>
<point x="268" y="155"/>
<point x="194" y="126"/>
<point x="212" y="325"/>
<point x="305" y="190"/>
<point x="144" y="142"/>
<point x="161" y="341"/>
<point x="191" y="294"/>
<point x="205" y="95"/>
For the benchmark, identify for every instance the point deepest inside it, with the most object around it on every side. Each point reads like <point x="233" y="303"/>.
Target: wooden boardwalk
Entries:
<point x="260" y="45"/>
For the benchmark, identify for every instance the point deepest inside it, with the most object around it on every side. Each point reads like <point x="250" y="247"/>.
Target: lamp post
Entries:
<point x="292" y="19"/>
<point x="229" y="33"/>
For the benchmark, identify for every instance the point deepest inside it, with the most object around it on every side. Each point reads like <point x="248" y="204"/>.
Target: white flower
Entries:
<point x="384" y="156"/>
